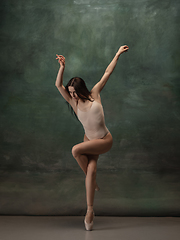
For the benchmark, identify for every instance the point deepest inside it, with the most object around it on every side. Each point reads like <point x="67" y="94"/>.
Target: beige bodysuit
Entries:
<point x="93" y="121"/>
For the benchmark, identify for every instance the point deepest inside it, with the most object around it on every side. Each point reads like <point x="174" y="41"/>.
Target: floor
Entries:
<point x="72" y="228"/>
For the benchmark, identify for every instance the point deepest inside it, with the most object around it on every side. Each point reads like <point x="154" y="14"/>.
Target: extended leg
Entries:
<point x="91" y="179"/>
<point x="90" y="186"/>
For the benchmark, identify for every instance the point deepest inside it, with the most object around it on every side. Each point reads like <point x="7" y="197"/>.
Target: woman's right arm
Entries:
<point x="59" y="79"/>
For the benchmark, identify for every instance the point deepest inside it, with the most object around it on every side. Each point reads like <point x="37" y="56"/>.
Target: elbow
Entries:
<point x="56" y="84"/>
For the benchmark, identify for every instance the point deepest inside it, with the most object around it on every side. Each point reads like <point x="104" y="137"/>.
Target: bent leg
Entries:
<point x="83" y="161"/>
<point x="93" y="147"/>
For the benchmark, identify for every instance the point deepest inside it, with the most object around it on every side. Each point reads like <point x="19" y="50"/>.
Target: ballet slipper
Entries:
<point x="89" y="226"/>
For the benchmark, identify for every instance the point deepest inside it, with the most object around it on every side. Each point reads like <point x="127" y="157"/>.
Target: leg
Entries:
<point x="92" y="147"/>
<point x="90" y="185"/>
<point x="83" y="161"/>
<point x="89" y="157"/>
<point x="91" y="179"/>
<point x="88" y="163"/>
<point x="83" y="151"/>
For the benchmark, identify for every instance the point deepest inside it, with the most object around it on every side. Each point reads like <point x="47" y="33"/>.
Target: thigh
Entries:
<point x="96" y="146"/>
<point x="91" y="157"/>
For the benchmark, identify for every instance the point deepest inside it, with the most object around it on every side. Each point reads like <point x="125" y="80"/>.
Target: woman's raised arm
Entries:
<point x="59" y="79"/>
<point x="99" y="86"/>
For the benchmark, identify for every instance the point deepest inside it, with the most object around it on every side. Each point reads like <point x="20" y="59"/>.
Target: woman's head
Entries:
<point x="76" y="87"/>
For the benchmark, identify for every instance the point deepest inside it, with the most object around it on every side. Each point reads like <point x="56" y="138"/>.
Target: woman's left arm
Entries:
<point x="99" y="86"/>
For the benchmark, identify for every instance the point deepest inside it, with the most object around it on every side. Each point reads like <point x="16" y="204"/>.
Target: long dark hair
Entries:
<point x="80" y="88"/>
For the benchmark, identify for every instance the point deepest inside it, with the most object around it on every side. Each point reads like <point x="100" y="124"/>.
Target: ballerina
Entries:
<point x="88" y="108"/>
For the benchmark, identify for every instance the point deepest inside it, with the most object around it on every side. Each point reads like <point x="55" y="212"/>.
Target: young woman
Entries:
<point x="97" y="138"/>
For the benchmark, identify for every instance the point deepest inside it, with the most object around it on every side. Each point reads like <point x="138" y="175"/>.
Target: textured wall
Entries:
<point x="141" y="102"/>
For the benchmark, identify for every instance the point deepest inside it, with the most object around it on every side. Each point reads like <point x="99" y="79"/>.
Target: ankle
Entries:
<point x="89" y="208"/>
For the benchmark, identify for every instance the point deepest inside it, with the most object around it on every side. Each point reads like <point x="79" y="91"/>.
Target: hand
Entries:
<point x="61" y="60"/>
<point x="122" y="49"/>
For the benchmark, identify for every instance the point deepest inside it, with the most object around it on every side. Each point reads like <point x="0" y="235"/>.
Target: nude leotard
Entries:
<point x="93" y="121"/>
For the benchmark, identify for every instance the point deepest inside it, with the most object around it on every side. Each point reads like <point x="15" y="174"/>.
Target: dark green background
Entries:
<point x="141" y="173"/>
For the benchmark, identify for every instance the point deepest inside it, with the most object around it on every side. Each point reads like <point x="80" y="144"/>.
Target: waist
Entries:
<point x="98" y="134"/>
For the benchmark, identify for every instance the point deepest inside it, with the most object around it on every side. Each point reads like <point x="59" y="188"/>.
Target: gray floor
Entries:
<point x="67" y="228"/>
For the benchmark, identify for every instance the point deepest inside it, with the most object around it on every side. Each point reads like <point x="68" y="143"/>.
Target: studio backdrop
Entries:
<point x="140" y="175"/>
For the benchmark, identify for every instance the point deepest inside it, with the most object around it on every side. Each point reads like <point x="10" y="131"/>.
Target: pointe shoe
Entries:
<point x="88" y="226"/>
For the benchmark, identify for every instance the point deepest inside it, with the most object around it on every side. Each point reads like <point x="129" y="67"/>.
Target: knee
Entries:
<point x="75" y="151"/>
<point x="92" y="170"/>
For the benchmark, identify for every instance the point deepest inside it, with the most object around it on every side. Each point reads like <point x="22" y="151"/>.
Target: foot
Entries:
<point x="89" y="215"/>
<point x="97" y="188"/>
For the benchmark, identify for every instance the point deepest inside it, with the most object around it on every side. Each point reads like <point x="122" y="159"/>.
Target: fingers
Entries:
<point x="125" y="48"/>
<point x="60" y="57"/>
